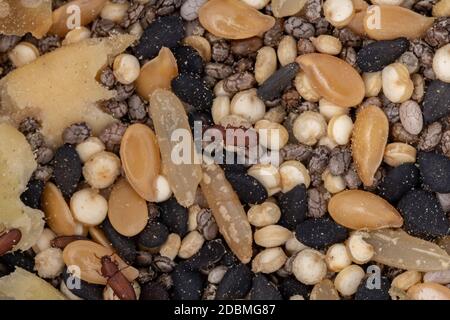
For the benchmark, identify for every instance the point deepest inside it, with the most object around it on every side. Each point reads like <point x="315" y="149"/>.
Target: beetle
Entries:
<point x="116" y="280"/>
<point x="9" y="239"/>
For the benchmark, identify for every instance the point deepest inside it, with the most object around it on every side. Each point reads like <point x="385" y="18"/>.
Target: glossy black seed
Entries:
<point x="81" y="288"/>
<point x="376" y="55"/>
<point x="263" y="289"/>
<point x="435" y="170"/>
<point x="153" y="291"/>
<point x="66" y="169"/>
<point x="374" y="290"/>
<point x="193" y="90"/>
<point x="423" y="214"/>
<point x="188" y="60"/>
<point x="273" y="87"/>
<point x="154" y="235"/>
<point x="248" y="189"/>
<point x="187" y="284"/>
<point x="436" y="103"/>
<point x="294" y="207"/>
<point x="235" y="284"/>
<point x="164" y="32"/>
<point x="18" y="259"/>
<point x="209" y="254"/>
<point x="174" y="216"/>
<point x="398" y="181"/>
<point x="291" y="286"/>
<point x="124" y="246"/>
<point x="32" y="195"/>
<point x="320" y="233"/>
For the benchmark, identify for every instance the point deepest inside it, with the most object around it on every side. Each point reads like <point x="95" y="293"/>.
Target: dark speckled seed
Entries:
<point x="249" y="190"/>
<point x="188" y="60"/>
<point x="187" y="284"/>
<point x="368" y="291"/>
<point x="209" y="254"/>
<point x="376" y="55"/>
<point x="294" y="207"/>
<point x="398" y="181"/>
<point x="193" y="90"/>
<point x="154" y="235"/>
<point x="67" y="169"/>
<point x="435" y="170"/>
<point x="235" y="284"/>
<point x="164" y="32"/>
<point x="273" y="87"/>
<point x="320" y="233"/>
<point x="436" y="103"/>
<point x="85" y="290"/>
<point x="153" y="291"/>
<point x="32" y="195"/>
<point x="18" y="259"/>
<point x="174" y="216"/>
<point x="290" y="287"/>
<point x="124" y="246"/>
<point x="423" y="215"/>
<point x="263" y="289"/>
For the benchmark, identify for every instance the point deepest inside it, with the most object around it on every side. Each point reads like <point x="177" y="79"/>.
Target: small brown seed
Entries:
<point x="9" y="239"/>
<point x="406" y="279"/>
<point x="398" y="153"/>
<point x="272" y="236"/>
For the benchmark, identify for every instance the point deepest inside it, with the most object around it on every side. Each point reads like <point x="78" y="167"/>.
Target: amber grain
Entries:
<point x="362" y="210"/>
<point x="370" y="134"/>
<point x="233" y="19"/>
<point x="333" y="78"/>
<point x="141" y="161"/>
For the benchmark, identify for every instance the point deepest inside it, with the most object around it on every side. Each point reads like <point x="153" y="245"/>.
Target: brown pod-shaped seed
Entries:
<point x="333" y="78"/>
<point x="362" y="210"/>
<point x="57" y="212"/>
<point x="369" y="138"/>
<point x="141" y="161"/>
<point x="65" y="17"/>
<point x="86" y="255"/>
<point x="9" y="239"/>
<point x="233" y="19"/>
<point x="228" y="212"/>
<point x="386" y="22"/>
<point x="157" y="74"/>
<point x="127" y="211"/>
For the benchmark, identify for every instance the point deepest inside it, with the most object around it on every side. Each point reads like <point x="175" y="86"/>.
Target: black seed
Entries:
<point x="376" y="55"/>
<point x="249" y="190"/>
<point x="320" y="233"/>
<point x="235" y="284"/>
<point x="153" y="291"/>
<point x="273" y="87"/>
<point x="164" y="32"/>
<point x="294" y="207"/>
<point x="234" y="167"/>
<point x="263" y="289"/>
<point x="187" y="284"/>
<point x="423" y="215"/>
<point x="291" y="286"/>
<point x="436" y="103"/>
<point x="229" y="259"/>
<point x="124" y="246"/>
<point x="370" y="291"/>
<point x="210" y="253"/>
<point x="188" y="60"/>
<point x="67" y="169"/>
<point x="154" y="235"/>
<point x="18" y="259"/>
<point x="193" y="90"/>
<point x="32" y="195"/>
<point x="199" y="116"/>
<point x="174" y="216"/>
<point x="398" y="181"/>
<point x="81" y="288"/>
<point x="435" y="170"/>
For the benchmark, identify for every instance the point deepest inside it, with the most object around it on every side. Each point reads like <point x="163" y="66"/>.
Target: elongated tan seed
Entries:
<point x="370" y="134"/>
<point x="333" y="78"/>
<point x="357" y="209"/>
<point x="429" y="291"/>
<point x="228" y="212"/>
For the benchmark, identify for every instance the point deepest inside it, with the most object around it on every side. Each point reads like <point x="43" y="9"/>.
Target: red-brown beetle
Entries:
<point x="116" y="280"/>
<point x="9" y="239"/>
